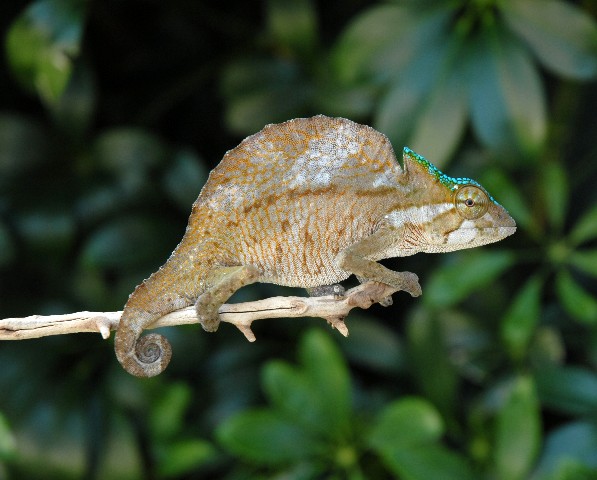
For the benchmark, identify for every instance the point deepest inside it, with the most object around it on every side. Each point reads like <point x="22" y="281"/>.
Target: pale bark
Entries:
<point x="242" y="315"/>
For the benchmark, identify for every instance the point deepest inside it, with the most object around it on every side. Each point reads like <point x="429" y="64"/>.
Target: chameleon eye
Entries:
<point x="471" y="202"/>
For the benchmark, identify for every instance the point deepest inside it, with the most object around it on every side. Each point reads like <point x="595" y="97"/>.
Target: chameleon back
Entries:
<point x="288" y="198"/>
<point x="300" y="155"/>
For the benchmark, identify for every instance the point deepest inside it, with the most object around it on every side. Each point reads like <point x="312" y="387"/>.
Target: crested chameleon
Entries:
<point x="305" y="203"/>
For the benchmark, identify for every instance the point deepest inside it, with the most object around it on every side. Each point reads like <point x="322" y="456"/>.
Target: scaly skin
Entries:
<point x="305" y="203"/>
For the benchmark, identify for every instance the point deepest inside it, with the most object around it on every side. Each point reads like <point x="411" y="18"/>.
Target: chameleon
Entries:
<point x="305" y="203"/>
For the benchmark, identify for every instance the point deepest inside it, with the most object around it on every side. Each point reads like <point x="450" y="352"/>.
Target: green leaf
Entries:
<point x="98" y="203"/>
<point x="585" y="228"/>
<point x="42" y="44"/>
<point x="47" y="231"/>
<point x="183" y="456"/>
<point x="7" y="441"/>
<point x="466" y="273"/>
<point x="374" y="346"/>
<point x="577" y="302"/>
<point x="263" y="437"/>
<point x="74" y="109"/>
<point x="561" y="35"/>
<point x="396" y="110"/>
<point x="522" y="317"/>
<point x="259" y="92"/>
<point x="293" y="23"/>
<point x="123" y="243"/>
<point x="585" y="260"/>
<point x="129" y="153"/>
<point x="168" y="411"/>
<point x="366" y="35"/>
<point x="547" y="348"/>
<point x="433" y="370"/>
<point x="426" y="107"/>
<point x="382" y="41"/>
<point x="428" y="462"/>
<point x="184" y="178"/>
<point x="507" y="100"/>
<point x="409" y="422"/>
<point x="291" y="392"/>
<point x="441" y="119"/>
<point x="569" y="448"/>
<point x="348" y="101"/>
<point x="518" y="431"/>
<point x="570" y="390"/>
<point x="555" y="193"/>
<point x="328" y="375"/>
<point x="405" y="433"/>
<point x="572" y="469"/>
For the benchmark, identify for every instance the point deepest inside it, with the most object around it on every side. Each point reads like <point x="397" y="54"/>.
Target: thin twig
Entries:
<point x="242" y="315"/>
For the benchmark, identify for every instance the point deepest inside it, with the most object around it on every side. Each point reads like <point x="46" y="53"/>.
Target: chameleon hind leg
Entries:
<point x="222" y="283"/>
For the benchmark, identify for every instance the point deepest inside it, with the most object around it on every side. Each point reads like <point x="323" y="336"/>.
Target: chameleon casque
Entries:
<point x="305" y="203"/>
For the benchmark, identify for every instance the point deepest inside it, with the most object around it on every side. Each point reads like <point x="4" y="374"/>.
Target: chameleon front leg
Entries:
<point x="222" y="283"/>
<point x="354" y="259"/>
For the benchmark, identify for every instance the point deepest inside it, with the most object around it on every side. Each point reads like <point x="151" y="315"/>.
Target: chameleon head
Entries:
<point x="458" y="213"/>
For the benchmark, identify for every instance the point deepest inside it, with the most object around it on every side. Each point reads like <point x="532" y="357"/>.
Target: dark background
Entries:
<point x="112" y="113"/>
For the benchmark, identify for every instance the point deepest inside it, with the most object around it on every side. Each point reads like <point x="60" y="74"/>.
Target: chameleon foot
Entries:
<point x="407" y="282"/>
<point x="223" y="281"/>
<point x="386" y="302"/>
<point x="210" y="323"/>
<point x="207" y="312"/>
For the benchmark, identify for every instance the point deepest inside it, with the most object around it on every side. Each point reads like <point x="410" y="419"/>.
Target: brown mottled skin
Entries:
<point x="305" y="203"/>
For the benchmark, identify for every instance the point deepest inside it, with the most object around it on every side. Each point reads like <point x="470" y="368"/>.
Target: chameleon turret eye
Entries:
<point x="471" y="202"/>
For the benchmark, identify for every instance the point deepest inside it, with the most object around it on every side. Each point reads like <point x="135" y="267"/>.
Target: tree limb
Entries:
<point x="242" y="315"/>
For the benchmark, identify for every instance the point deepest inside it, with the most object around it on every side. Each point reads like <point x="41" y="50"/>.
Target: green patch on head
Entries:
<point x="450" y="182"/>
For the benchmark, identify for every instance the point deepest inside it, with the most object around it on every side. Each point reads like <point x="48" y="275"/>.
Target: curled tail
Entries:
<point x="149" y="355"/>
<point x="141" y="356"/>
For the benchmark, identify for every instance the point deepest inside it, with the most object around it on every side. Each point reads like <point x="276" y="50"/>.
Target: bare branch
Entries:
<point x="242" y="315"/>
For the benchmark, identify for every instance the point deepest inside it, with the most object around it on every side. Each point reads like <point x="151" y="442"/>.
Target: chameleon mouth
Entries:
<point x="469" y="237"/>
<point x="504" y="220"/>
<point x="497" y="233"/>
<point x="505" y="231"/>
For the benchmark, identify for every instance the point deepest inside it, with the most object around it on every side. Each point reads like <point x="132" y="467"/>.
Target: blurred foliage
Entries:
<point x="111" y="115"/>
<point x="42" y="44"/>
<point x="317" y="434"/>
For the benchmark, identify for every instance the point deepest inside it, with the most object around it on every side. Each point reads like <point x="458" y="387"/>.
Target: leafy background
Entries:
<point x="111" y="115"/>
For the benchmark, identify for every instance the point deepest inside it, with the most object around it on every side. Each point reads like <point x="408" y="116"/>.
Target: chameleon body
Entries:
<point x="305" y="203"/>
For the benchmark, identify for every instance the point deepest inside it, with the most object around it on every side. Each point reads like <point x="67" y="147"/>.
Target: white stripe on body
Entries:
<point x="418" y="215"/>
